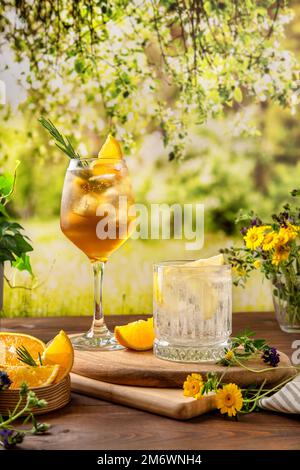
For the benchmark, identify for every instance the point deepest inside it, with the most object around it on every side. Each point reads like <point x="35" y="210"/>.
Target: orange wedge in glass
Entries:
<point x="9" y="342"/>
<point x="109" y="154"/>
<point x="137" y="335"/>
<point x="111" y="149"/>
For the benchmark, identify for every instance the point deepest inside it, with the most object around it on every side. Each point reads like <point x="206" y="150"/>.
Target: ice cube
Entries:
<point x="86" y="206"/>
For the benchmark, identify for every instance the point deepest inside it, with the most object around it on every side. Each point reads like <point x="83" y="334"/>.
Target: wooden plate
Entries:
<point x="57" y="396"/>
<point x="143" y="369"/>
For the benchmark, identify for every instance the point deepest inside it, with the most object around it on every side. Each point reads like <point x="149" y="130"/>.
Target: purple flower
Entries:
<point x="256" y="222"/>
<point x="244" y="230"/>
<point x="10" y="438"/>
<point x="5" y="381"/>
<point x="271" y="356"/>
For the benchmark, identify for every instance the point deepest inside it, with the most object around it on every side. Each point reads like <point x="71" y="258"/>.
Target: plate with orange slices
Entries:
<point x="44" y="368"/>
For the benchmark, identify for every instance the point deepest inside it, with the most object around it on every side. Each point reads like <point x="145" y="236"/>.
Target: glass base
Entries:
<point x="290" y="328"/>
<point x="178" y="353"/>
<point x="95" y="342"/>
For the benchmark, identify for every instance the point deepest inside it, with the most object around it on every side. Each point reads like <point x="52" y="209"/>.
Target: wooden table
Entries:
<point x="87" y="423"/>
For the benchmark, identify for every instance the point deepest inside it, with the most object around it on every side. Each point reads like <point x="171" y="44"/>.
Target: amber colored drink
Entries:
<point x="91" y="189"/>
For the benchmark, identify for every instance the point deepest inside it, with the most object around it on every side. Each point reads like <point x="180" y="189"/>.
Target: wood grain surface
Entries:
<point x="143" y="369"/>
<point x="163" y="401"/>
<point x="57" y="396"/>
<point x="90" y="423"/>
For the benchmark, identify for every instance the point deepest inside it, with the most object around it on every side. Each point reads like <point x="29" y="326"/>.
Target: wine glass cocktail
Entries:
<point x="95" y="216"/>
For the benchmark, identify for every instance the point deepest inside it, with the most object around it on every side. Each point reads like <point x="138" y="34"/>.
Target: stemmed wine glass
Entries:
<point x="96" y="216"/>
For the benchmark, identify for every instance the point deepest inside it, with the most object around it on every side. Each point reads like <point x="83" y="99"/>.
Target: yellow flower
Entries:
<point x="254" y="238"/>
<point x="193" y="386"/>
<point x="293" y="231"/>
<point x="229" y="399"/>
<point x="257" y="264"/>
<point x="283" y="236"/>
<point x="263" y="228"/>
<point x="281" y="254"/>
<point x="229" y="355"/>
<point x="270" y="240"/>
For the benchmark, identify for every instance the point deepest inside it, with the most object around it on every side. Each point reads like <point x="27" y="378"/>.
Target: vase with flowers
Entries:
<point x="273" y="248"/>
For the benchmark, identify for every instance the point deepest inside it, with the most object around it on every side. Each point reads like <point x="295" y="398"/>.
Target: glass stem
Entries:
<point x="98" y="327"/>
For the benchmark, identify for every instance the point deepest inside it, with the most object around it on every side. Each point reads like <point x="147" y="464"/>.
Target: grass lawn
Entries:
<point x="65" y="276"/>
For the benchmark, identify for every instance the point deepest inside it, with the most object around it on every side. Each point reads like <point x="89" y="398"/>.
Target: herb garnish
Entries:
<point x="24" y="356"/>
<point x="62" y="142"/>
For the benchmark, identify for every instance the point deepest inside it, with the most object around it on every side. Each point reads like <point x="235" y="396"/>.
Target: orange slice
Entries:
<point x="111" y="149"/>
<point x="60" y="351"/>
<point x="9" y="342"/>
<point x="137" y="335"/>
<point x="34" y="376"/>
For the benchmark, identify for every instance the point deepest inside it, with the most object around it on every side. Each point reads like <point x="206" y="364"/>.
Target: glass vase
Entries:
<point x="286" y="299"/>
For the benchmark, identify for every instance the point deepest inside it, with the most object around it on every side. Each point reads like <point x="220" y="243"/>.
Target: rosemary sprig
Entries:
<point x="63" y="143"/>
<point x="24" y="356"/>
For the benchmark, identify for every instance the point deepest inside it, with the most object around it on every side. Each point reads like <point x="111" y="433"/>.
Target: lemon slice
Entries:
<point x="217" y="260"/>
<point x="137" y="335"/>
<point x="209" y="299"/>
<point x="111" y="149"/>
<point x="34" y="376"/>
<point x="60" y="351"/>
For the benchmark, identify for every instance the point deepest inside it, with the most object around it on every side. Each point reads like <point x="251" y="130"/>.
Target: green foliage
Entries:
<point x="13" y="243"/>
<point x="10" y="435"/>
<point x="152" y="64"/>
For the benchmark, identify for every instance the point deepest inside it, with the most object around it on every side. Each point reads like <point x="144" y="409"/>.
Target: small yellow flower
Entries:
<point x="229" y="355"/>
<point x="193" y="386"/>
<point x="254" y="238"/>
<point x="229" y="399"/>
<point x="293" y="231"/>
<point x="270" y="240"/>
<point x="281" y="254"/>
<point x="283" y="236"/>
<point x="257" y="264"/>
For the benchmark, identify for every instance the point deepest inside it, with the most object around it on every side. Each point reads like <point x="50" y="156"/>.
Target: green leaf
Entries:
<point x="6" y="255"/>
<point x="238" y="95"/>
<point x="22" y="263"/>
<point x="9" y="242"/>
<point x="6" y="184"/>
<point x="22" y="245"/>
<point x="3" y="210"/>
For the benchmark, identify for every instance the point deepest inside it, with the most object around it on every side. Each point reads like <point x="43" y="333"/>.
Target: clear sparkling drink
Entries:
<point x="192" y="311"/>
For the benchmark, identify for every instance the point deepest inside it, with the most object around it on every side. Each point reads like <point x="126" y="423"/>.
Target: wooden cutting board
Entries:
<point x="126" y="367"/>
<point x="168" y="402"/>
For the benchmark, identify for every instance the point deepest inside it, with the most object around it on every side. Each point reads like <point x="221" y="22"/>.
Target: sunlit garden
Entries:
<point x="226" y="136"/>
<point x="149" y="231"/>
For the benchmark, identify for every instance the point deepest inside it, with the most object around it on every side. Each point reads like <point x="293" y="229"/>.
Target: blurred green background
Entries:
<point x="222" y="169"/>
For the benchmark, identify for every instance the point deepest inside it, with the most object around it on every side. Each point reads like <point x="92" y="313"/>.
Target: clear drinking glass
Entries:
<point x="95" y="216"/>
<point x="192" y="311"/>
